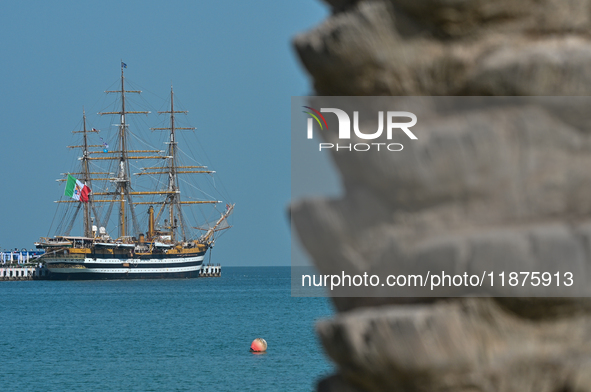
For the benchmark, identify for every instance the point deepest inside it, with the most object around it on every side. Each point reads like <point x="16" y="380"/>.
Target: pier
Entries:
<point x="210" y="271"/>
<point x="37" y="272"/>
<point x="22" y="265"/>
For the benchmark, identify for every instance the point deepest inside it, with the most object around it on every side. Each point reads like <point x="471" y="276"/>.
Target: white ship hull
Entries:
<point x="130" y="268"/>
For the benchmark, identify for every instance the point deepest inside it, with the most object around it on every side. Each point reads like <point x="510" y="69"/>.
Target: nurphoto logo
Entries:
<point x="344" y="131"/>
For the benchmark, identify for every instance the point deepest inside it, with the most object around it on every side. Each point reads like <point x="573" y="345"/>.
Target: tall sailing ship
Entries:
<point x="168" y="246"/>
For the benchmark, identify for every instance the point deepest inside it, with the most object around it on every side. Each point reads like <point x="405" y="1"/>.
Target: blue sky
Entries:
<point x="232" y="66"/>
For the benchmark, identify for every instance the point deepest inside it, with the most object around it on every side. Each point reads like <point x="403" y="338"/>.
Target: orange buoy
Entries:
<point x="258" y="345"/>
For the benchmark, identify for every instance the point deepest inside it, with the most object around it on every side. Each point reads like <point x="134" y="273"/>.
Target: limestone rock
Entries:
<point x="514" y="194"/>
<point x="443" y="47"/>
<point x="463" y="345"/>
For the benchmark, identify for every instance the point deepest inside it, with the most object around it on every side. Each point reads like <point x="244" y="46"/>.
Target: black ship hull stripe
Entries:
<point x="110" y="276"/>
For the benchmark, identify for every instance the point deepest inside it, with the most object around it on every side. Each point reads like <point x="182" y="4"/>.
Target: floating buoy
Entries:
<point x="258" y="345"/>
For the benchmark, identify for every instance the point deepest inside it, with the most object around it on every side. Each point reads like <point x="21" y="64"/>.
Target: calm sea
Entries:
<point x="161" y="335"/>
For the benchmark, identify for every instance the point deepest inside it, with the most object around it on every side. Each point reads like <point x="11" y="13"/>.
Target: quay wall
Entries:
<point x="23" y="273"/>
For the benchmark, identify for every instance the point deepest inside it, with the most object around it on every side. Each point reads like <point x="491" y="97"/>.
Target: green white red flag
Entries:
<point x="77" y="190"/>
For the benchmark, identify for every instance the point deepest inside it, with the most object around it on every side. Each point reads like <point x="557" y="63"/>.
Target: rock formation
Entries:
<point x="515" y="194"/>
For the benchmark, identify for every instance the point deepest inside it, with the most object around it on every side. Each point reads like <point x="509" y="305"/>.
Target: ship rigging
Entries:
<point x="172" y="248"/>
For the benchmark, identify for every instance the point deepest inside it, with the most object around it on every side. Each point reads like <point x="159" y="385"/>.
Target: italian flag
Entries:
<point x="77" y="190"/>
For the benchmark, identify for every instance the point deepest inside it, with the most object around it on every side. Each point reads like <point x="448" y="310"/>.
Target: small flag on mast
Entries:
<point x="76" y="190"/>
<point x="123" y="65"/>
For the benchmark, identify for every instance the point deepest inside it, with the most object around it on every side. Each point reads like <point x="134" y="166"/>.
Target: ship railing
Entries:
<point x="61" y="255"/>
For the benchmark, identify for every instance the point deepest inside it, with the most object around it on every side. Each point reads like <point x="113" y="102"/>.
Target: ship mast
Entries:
<point x="86" y="178"/>
<point x="174" y="198"/>
<point x="122" y="180"/>
<point x="122" y="194"/>
<point x="172" y="181"/>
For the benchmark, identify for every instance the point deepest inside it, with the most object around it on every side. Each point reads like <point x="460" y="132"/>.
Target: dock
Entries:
<point x="22" y="265"/>
<point x="210" y="271"/>
<point x="37" y="272"/>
